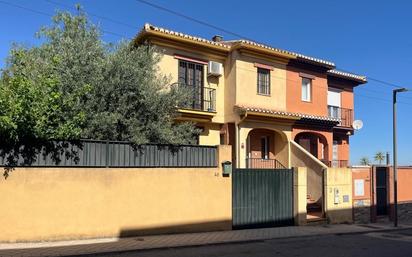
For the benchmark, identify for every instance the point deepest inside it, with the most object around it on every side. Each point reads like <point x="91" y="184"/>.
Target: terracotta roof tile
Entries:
<point x="347" y="75"/>
<point x="228" y="44"/>
<point x="149" y="27"/>
<point x="286" y="114"/>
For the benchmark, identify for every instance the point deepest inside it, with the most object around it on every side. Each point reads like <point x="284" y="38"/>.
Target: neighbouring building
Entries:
<point x="276" y="108"/>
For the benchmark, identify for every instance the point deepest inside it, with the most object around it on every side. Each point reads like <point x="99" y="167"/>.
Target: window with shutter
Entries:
<point x="263" y="81"/>
<point x="191" y="76"/>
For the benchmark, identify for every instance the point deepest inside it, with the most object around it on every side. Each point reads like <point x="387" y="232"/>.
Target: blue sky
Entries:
<point x="371" y="38"/>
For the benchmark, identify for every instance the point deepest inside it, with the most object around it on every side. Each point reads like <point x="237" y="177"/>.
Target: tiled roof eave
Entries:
<point x="148" y="28"/>
<point x="287" y="114"/>
<point x="153" y="30"/>
<point x="297" y="55"/>
<point x="347" y="75"/>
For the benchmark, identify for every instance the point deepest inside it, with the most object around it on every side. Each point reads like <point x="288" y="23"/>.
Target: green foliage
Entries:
<point x="380" y="157"/>
<point x="73" y="85"/>
<point x="364" y="161"/>
<point x="134" y="103"/>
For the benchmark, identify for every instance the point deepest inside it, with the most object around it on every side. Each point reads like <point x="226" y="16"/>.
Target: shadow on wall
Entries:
<point x="201" y="227"/>
<point x="367" y="214"/>
<point x="373" y="194"/>
<point x="181" y="228"/>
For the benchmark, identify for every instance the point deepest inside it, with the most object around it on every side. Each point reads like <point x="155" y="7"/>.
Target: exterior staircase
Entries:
<point x="300" y="157"/>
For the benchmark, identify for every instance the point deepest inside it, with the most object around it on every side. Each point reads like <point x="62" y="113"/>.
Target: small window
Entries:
<point x="264" y="143"/>
<point x="306" y="89"/>
<point x="263" y="82"/>
<point x="222" y="139"/>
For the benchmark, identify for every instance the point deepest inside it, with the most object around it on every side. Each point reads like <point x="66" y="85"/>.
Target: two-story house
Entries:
<point x="258" y="98"/>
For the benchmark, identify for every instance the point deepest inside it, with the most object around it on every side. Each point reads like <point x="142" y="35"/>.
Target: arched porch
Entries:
<point x="318" y="147"/>
<point x="266" y="149"/>
<point x="316" y="144"/>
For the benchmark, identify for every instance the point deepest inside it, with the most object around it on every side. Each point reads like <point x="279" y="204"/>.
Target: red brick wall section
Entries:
<point x="294" y="103"/>
<point x="405" y="184"/>
<point x="343" y="147"/>
<point x="404" y="194"/>
<point x="328" y="135"/>
<point x="364" y="206"/>
<point x="255" y="143"/>
<point x="365" y="174"/>
<point x="362" y="203"/>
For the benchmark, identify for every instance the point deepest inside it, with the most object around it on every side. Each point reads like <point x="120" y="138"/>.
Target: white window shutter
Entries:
<point x="334" y="97"/>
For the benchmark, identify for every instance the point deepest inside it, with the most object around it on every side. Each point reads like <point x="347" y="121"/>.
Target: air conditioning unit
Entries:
<point x="214" y="69"/>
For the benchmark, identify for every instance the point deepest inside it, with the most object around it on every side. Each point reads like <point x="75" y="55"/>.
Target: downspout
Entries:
<point x="238" y="141"/>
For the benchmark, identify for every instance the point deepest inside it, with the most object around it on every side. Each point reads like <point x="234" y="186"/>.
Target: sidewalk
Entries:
<point x="108" y="245"/>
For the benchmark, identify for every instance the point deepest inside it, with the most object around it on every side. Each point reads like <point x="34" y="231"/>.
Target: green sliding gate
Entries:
<point x="262" y="198"/>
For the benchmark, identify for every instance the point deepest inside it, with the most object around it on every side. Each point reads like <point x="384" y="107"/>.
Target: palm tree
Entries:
<point x="380" y="157"/>
<point x="364" y="161"/>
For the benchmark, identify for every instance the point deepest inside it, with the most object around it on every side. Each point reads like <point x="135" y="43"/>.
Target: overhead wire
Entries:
<point x="193" y="20"/>
<point x="121" y="23"/>
<point x="49" y="15"/>
<point x="229" y="32"/>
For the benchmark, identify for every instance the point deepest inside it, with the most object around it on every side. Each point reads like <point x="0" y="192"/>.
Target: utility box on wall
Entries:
<point x="227" y="168"/>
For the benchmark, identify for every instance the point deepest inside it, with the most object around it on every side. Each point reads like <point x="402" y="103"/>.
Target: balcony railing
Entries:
<point x="336" y="163"/>
<point x="344" y="114"/>
<point x="339" y="164"/>
<point x="201" y="98"/>
<point x="259" y="163"/>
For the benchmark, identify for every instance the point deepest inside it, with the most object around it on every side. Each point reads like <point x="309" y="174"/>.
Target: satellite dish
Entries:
<point x="357" y="124"/>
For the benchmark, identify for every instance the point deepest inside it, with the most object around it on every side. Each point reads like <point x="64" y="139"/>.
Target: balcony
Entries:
<point x="259" y="163"/>
<point x="201" y="98"/>
<point x="200" y="105"/>
<point x="344" y="114"/>
<point x="339" y="164"/>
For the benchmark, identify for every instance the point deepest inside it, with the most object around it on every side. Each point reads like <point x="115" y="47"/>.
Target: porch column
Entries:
<point x="299" y="195"/>
<point x="242" y="153"/>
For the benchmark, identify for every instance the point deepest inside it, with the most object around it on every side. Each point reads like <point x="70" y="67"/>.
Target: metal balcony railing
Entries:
<point x="259" y="163"/>
<point x="344" y="114"/>
<point x="339" y="164"/>
<point x="201" y="98"/>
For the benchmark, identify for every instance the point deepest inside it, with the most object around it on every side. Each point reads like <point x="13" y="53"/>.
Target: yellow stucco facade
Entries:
<point x="246" y="83"/>
<point x="238" y="86"/>
<point x="338" y="195"/>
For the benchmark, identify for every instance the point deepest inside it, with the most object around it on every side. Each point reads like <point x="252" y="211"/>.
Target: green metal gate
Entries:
<point x="262" y="198"/>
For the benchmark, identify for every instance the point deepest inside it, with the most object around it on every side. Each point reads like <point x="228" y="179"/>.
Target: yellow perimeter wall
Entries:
<point x="72" y="203"/>
<point x="339" y="185"/>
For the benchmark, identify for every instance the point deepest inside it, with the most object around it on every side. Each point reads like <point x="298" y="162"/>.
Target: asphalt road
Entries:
<point x="391" y="244"/>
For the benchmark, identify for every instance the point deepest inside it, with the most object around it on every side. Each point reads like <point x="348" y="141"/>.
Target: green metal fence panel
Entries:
<point x="97" y="153"/>
<point x="262" y="198"/>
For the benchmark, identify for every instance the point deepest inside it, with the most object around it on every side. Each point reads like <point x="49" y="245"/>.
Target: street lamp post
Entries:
<point x="395" y="157"/>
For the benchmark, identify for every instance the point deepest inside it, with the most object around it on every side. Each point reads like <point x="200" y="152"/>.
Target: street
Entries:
<point x="378" y="244"/>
